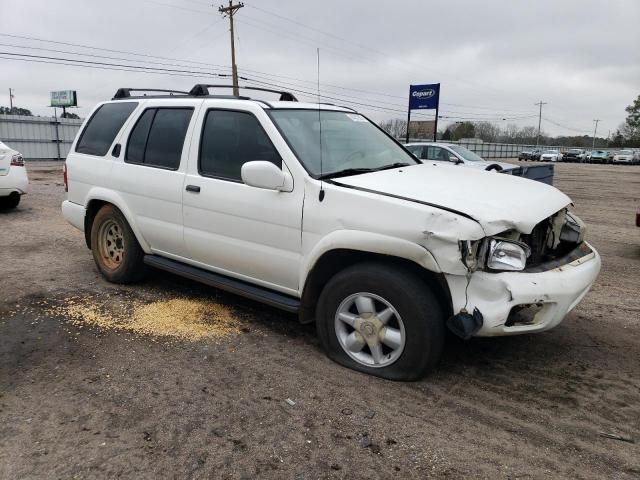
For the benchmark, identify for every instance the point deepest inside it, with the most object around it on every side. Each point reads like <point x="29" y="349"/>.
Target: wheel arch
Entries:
<point x="335" y="260"/>
<point x="96" y="200"/>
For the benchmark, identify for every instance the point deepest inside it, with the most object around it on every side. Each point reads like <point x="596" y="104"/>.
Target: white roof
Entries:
<point x="305" y="106"/>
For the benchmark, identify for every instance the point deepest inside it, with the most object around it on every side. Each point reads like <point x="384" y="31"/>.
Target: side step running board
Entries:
<point x="260" y="294"/>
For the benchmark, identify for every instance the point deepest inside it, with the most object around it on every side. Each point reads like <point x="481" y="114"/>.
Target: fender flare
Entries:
<point x="367" y="242"/>
<point x="109" y="196"/>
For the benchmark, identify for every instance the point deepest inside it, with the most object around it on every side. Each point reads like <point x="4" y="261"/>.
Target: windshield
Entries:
<point x="624" y="152"/>
<point x="551" y="151"/>
<point x="349" y="141"/>
<point x="466" y="154"/>
<point x="574" y="150"/>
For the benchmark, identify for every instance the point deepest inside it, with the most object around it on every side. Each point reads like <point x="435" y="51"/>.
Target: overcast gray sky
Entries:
<point x="494" y="59"/>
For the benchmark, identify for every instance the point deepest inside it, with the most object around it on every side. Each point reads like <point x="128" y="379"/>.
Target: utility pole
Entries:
<point x="594" y="133"/>
<point x="539" y="120"/>
<point x="11" y="100"/>
<point x="230" y="11"/>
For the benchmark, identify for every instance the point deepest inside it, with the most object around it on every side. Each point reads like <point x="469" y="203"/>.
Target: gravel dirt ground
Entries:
<point x="85" y="399"/>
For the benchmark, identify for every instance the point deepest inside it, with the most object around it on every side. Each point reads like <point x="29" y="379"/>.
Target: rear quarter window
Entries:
<point x="103" y="126"/>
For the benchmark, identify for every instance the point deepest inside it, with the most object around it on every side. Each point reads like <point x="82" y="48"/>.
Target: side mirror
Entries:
<point x="454" y="159"/>
<point x="263" y="174"/>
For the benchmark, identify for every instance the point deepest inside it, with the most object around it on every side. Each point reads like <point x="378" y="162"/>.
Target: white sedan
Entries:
<point x="625" y="156"/>
<point x="551" y="156"/>
<point x="13" y="177"/>
<point x="450" y="152"/>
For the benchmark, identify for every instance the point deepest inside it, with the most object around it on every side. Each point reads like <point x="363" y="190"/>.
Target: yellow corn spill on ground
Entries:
<point x="182" y="318"/>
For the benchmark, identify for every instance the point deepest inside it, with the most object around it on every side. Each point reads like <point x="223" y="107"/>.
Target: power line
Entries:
<point x="108" y="57"/>
<point x="90" y="47"/>
<point x="192" y="64"/>
<point x="577" y="130"/>
<point x="484" y="88"/>
<point x="114" y="64"/>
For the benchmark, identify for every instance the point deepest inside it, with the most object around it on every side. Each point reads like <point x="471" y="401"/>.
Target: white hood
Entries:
<point x="497" y="202"/>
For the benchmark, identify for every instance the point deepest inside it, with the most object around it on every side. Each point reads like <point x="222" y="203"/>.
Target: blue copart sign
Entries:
<point x="424" y="96"/>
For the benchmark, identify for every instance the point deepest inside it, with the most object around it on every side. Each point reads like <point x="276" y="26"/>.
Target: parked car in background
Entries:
<point x="599" y="156"/>
<point x="456" y="154"/>
<point x="525" y="155"/>
<point x="610" y="156"/>
<point x="381" y="251"/>
<point x="624" y="156"/>
<point x="551" y="155"/>
<point x="13" y="177"/>
<point x="535" y="155"/>
<point x="574" y="155"/>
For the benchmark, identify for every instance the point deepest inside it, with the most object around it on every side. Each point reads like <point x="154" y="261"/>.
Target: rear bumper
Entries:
<point x="15" y="181"/>
<point x="74" y="214"/>
<point x="554" y="292"/>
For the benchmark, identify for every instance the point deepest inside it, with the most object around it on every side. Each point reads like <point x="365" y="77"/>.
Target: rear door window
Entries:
<point x="158" y="137"/>
<point x="437" y="153"/>
<point x="103" y="126"/>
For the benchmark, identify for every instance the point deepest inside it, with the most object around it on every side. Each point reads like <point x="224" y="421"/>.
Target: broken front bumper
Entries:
<point x="546" y="294"/>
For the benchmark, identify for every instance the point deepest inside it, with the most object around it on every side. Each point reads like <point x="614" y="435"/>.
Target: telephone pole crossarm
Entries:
<point x="230" y="11"/>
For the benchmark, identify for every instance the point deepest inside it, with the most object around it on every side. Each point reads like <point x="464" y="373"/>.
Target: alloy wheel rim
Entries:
<point x="370" y="330"/>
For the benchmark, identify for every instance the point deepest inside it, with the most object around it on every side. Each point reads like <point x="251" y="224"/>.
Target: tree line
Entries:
<point x="27" y="113"/>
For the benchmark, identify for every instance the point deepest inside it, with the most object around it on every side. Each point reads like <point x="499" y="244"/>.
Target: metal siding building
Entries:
<point x="36" y="137"/>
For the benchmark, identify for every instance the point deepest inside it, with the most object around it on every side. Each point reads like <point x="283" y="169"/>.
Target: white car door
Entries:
<point x="150" y="172"/>
<point x="231" y="228"/>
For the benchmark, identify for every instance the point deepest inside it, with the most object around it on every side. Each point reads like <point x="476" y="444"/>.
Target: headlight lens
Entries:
<point x="507" y="255"/>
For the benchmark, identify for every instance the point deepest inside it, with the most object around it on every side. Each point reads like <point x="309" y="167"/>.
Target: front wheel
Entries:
<point x="381" y="320"/>
<point x="115" y="248"/>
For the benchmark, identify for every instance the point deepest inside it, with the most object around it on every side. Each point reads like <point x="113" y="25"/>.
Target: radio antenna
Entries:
<point x="321" y="195"/>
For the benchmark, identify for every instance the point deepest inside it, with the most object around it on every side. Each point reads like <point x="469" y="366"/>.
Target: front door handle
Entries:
<point x="193" y="188"/>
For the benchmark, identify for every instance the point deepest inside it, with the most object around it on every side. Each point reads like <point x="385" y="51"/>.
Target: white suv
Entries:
<point x="314" y="209"/>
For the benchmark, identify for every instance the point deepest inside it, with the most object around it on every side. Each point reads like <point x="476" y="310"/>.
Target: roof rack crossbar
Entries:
<point x="126" y="92"/>
<point x="201" y="90"/>
<point x="340" y="106"/>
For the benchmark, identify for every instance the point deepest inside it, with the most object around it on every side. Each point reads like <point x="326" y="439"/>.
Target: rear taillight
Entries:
<point x="64" y="177"/>
<point x="17" y="161"/>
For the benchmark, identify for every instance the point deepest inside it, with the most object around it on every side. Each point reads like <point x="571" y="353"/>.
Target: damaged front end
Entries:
<point x="522" y="282"/>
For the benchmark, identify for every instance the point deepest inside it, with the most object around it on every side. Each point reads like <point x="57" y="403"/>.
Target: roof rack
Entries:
<point x="201" y="90"/>
<point x="126" y="92"/>
<point x="341" y="106"/>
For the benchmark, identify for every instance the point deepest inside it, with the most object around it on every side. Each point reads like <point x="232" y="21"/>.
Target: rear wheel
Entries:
<point x="11" y="201"/>
<point x="115" y="248"/>
<point x="381" y="320"/>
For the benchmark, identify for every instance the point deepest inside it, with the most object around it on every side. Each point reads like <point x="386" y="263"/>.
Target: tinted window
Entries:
<point x="415" y="149"/>
<point x="229" y="140"/>
<point x="158" y="137"/>
<point x="437" y="153"/>
<point x="103" y="127"/>
<point x="138" y="137"/>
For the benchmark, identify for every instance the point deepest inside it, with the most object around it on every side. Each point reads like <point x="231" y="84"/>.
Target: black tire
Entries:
<point x="415" y="303"/>
<point x="10" y="202"/>
<point x="126" y="263"/>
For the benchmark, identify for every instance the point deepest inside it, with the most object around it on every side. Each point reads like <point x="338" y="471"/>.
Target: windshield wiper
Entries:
<point x="356" y="171"/>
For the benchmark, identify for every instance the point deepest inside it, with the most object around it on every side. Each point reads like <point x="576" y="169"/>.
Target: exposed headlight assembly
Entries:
<point x="506" y="255"/>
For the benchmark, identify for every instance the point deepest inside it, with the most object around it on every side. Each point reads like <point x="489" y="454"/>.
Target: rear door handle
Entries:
<point x="193" y="188"/>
